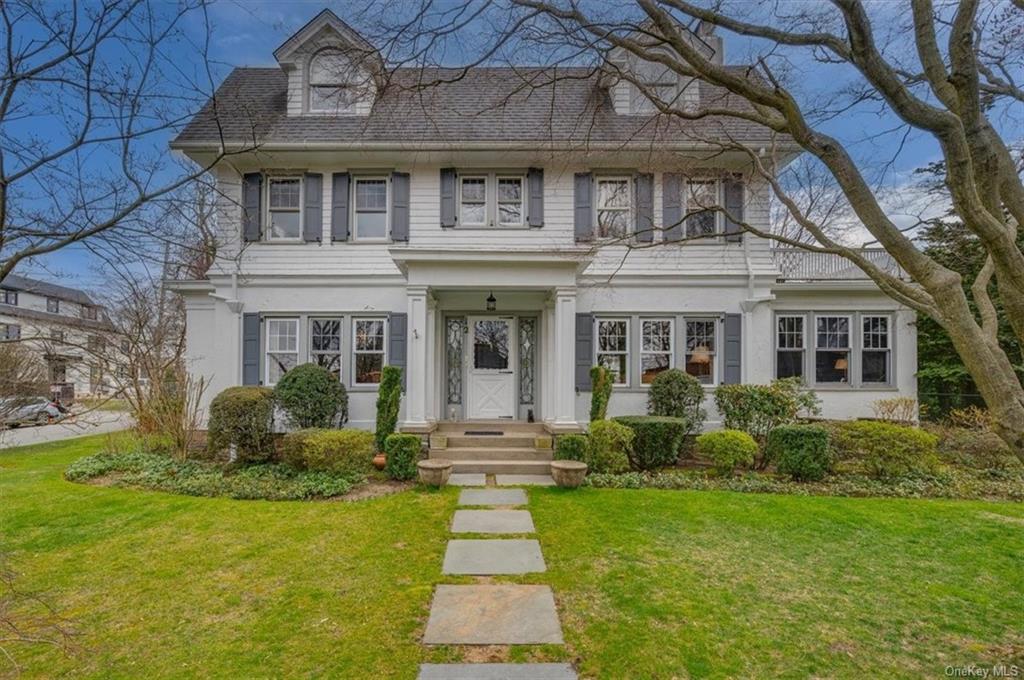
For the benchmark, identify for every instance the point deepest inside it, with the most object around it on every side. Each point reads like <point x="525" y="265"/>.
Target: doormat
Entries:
<point x="485" y="433"/>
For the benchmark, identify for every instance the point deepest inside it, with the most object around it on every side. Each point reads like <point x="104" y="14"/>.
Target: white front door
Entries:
<point x="491" y="361"/>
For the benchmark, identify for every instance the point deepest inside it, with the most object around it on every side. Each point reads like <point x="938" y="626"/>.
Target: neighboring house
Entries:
<point x="464" y="230"/>
<point x="66" y="329"/>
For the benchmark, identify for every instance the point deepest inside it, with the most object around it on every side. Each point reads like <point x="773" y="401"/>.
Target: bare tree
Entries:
<point x="950" y="73"/>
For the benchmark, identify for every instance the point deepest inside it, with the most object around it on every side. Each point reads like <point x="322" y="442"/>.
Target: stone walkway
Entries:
<point x="493" y="614"/>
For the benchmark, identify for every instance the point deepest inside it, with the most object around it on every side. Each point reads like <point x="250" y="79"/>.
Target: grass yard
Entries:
<point x="650" y="584"/>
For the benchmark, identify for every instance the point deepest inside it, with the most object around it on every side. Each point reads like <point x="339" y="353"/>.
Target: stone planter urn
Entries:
<point x="434" y="471"/>
<point x="568" y="474"/>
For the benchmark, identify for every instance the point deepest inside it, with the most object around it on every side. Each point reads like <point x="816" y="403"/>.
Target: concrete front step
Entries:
<point x="502" y="425"/>
<point x="514" y="440"/>
<point x="503" y="453"/>
<point x="503" y="467"/>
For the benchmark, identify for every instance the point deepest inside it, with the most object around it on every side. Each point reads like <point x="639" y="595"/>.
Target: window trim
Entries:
<point x="671" y="352"/>
<point x="312" y="354"/>
<point x="341" y="85"/>
<point x="266" y="344"/>
<point x="627" y="352"/>
<point x="716" y="322"/>
<point x="849" y="349"/>
<point x="498" y="177"/>
<point x="269" y="210"/>
<point x="356" y="352"/>
<point x="355" y="211"/>
<point x="888" y="349"/>
<point x="803" y="342"/>
<point x="719" y="227"/>
<point x="9" y="295"/>
<point x="56" y="305"/>
<point x="486" y="202"/>
<point x="629" y="209"/>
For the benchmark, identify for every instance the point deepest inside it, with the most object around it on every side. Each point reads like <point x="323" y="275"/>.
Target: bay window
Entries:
<point x="701" y="349"/>
<point x="371" y="208"/>
<point x="368" y="348"/>
<point x="789" y="347"/>
<point x="282" y="348"/>
<point x="613" y="348"/>
<point x="656" y="348"/>
<point x="284" y="208"/>
<point x="832" y="349"/>
<point x="325" y="344"/>
<point x="614" y="205"/>
<point x="875" y="349"/>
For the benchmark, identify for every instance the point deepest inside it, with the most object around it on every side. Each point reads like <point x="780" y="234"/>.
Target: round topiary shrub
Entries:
<point x="885" y="450"/>
<point x="800" y="451"/>
<point x="312" y="396"/>
<point x="727" y="449"/>
<point x="658" y="440"/>
<point x="345" y="452"/>
<point x="611" y="444"/>
<point x="572" y="447"/>
<point x="678" y="394"/>
<point x="403" y="452"/>
<point x="242" y="417"/>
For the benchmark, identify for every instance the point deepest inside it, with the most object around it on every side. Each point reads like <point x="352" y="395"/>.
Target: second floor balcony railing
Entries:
<point x="804" y="265"/>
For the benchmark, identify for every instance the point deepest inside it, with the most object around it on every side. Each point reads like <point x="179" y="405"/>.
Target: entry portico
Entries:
<point x="484" y="328"/>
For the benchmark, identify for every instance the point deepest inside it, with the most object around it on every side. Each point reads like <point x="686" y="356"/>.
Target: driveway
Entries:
<point x="96" y="422"/>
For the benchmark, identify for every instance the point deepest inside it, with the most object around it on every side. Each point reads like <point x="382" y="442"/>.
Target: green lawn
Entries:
<point x="650" y="584"/>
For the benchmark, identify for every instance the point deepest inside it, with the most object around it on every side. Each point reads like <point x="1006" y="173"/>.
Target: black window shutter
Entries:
<point x="672" y="206"/>
<point x="313" y="211"/>
<point x="535" y="187"/>
<point x="733" y="349"/>
<point x="645" y="208"/>
<point x="584" y="350"/>
<point x="733" y="194"/>
<point x="251" y="349"/>
<point x="399" y="206"/>
<point x="583" y="206"/>
<point x="447" y="197"/>
<point x="339" y="206"/>
<point x="397" y="342"/>
<point x="252" y="208"/>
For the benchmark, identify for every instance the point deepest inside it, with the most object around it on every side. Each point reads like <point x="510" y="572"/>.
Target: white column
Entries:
<point x="547" y="362"/>
<point x="432" y="358"/>
<point x="416" y="358"/>
<point x="565" y="356"/>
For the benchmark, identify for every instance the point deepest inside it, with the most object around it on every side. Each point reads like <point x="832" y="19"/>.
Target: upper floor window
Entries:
<point x="57" y="335"/>
<point x="660" y="90"/>
<point x="10" y="331"/>
<point x="9" y="297"/>
<point x="89" y="312"/>
<point x="473" y="201"/>
<point x="510" y="201"/>
<point x="284" y="208"/>
<point x="96" y="344"/>
<point x="53" y="305"/>
<point x="371" y="208"/>
<point x="492" y="199"/>
<point x="614" y="206"/>
<point x="700" y="200"/>
<point x="331" y="83"/>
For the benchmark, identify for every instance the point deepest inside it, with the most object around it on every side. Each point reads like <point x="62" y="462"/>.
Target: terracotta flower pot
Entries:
<point x="434" y="471"/>
<point x="568" y="474"/>
<point x="379" y="461"/>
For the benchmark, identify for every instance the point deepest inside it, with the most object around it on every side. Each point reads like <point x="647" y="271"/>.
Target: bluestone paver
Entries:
<point x="467" y="479"/>
<point x="491" y="556"/>
<point x="524" y="480"/>
<point x="492" y="497"/>
<point x="496" y="671"/>
<point x="492" y="522"/>
<point x="493" y="615"/>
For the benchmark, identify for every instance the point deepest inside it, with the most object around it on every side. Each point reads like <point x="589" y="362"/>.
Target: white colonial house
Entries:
<point x="497" y="232"/>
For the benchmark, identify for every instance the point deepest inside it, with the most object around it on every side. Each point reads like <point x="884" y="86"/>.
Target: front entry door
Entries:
<point x="491" y="360"/>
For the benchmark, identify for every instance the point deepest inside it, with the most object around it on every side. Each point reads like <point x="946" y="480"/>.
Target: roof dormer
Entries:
<point x="332" y="70"/>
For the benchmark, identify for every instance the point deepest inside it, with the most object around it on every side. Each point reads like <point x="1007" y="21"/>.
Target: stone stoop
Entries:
<point x="520" y="448"/>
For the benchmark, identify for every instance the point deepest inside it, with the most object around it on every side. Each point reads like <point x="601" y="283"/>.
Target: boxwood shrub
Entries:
<point x="611" y="444"/>
<point x="242" y="417"/>
<point x="658" y="440"/>
<point x="572" y="447"/>
<point x="403" y="452"/>
<point x="886" y="450"/>
<point x="727" y="449"/>
<point x="336" y="451"/>
<point x="312" y="396"/>
<point x="800" y="451"/>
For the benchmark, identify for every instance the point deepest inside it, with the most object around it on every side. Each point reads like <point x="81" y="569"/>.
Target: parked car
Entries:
<point x="31" y="410"/>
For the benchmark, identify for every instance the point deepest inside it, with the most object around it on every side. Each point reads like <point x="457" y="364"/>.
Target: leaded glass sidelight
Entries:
<point x="527" y="360"/>
<point x="455" y="331"/>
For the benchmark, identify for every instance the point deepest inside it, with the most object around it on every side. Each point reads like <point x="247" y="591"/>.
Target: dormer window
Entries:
<point x="332" y="83"/>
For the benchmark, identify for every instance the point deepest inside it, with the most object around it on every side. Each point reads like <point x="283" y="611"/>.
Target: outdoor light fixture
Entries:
<point x="492" y="302"/>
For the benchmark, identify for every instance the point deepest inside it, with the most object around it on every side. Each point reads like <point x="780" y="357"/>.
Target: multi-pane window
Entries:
<point x="282" y="348"/>
<point x="701" y="199"/>
<point x="96" y="344"/>
<point x="58" y="371"/>
<point x="57" y="335"/>
<point x="10" y="331"/>
<point x="473" y="201"/>
<point x="656" y="348"/>
<point x="510" y="201"/>
<point x="875" y="349"/>
<point x="53" y="305"/>
<point x="9" y="297"/>
<point x="701" y="349"/>
<point x="832" y="349"/>
<point x="613" y="207"/>
<point x="789" y="343"/>
<point x="371" y="208"/>
<point x="89" y="312"/>
<point x="368" y="346"/>
<point x="663" y="90"/>
<point x="284" y="208"/>
<point x="325" y="344"/>
<point x="613" y="348"/>
<point x="330" y="86"/>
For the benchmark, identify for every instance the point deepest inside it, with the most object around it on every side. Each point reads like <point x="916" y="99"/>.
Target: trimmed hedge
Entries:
<point x="658" y="440"/>
<point x="403" y="452"/>
<point x="334" y="451"/>
<point x="800" y="451"/>
<point x="600" y="392"/>
<point x="727" y="449"/>
<point x="312" y="396"/>
<point x="885" y="450"/>
<point x="611" y="444"/>
<point x="242" y="417"/>
<point x="389" y="401"/>
<point x="572" y="447"/>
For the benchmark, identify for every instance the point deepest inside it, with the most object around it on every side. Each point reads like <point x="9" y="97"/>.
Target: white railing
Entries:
<point x="804" y="265"/>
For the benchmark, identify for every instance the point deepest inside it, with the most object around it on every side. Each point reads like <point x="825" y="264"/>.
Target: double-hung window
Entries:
<point x="53" y="305"/>
<point x="368" y="346"/>
<point x="492" y="199"/>
<point x="473" y="201"/>
<point x="89" y="312"/>
<point x="789" y="347"/>
<point x="325" y="344"/>
<point x="614" y="205"/>
<point x="656" y="348"/>
<point x="57" y="335"/>
<point x="510" y="201"/>
<point x="10" y="331"/>
<point x="701" y="349"/>
<point x="876" y="350"/>
<point x="284" y="208"/>
<point x="613" y="348"/>
<point x="331" y="89"/>
<point x="9" y="297"/>
<point x="701" y="200"/>
<point x="832" y="349"/>
<point x="282" y="348"/>
<point x="371" y="208"/>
